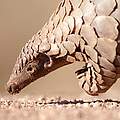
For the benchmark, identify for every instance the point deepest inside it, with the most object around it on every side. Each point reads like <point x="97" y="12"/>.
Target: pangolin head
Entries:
<point x="27" y="69"/>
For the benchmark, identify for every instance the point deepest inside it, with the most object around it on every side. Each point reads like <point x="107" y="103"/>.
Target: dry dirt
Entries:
<point x="43" y="108"/>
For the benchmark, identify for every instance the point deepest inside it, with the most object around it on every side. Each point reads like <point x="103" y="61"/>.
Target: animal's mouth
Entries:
<point x="15" y="85"/>
<point x="13" y="88"/>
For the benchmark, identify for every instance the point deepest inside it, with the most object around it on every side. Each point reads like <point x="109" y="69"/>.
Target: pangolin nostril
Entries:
<point x="11" y="88"/>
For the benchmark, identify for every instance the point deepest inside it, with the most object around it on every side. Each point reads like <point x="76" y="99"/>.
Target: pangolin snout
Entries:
<point x="12" y="88"/>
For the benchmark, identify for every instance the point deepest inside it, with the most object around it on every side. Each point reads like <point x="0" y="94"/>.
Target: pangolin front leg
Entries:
<point x="79" y="30"/>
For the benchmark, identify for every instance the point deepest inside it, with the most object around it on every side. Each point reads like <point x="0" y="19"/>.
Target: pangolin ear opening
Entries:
<point x="48" y="64"/>
<point x="47" y="61"/>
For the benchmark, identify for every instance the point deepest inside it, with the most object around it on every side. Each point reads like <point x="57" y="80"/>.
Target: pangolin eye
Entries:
<point x="29" y="68"/>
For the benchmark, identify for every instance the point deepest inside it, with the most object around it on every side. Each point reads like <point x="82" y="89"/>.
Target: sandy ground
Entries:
<point x="43" y="108"/>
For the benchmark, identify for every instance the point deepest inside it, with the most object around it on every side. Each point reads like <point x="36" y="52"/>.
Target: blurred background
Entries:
<point x="19" y="20"/>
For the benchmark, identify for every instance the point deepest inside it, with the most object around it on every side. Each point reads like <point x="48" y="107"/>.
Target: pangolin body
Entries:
<point x="78" y="30"/>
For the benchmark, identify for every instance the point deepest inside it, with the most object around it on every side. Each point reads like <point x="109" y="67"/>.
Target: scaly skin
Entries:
<point x="78" y="30"/>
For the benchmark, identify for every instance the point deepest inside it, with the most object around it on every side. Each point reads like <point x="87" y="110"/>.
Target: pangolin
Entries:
<point x="79" y="30"/>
